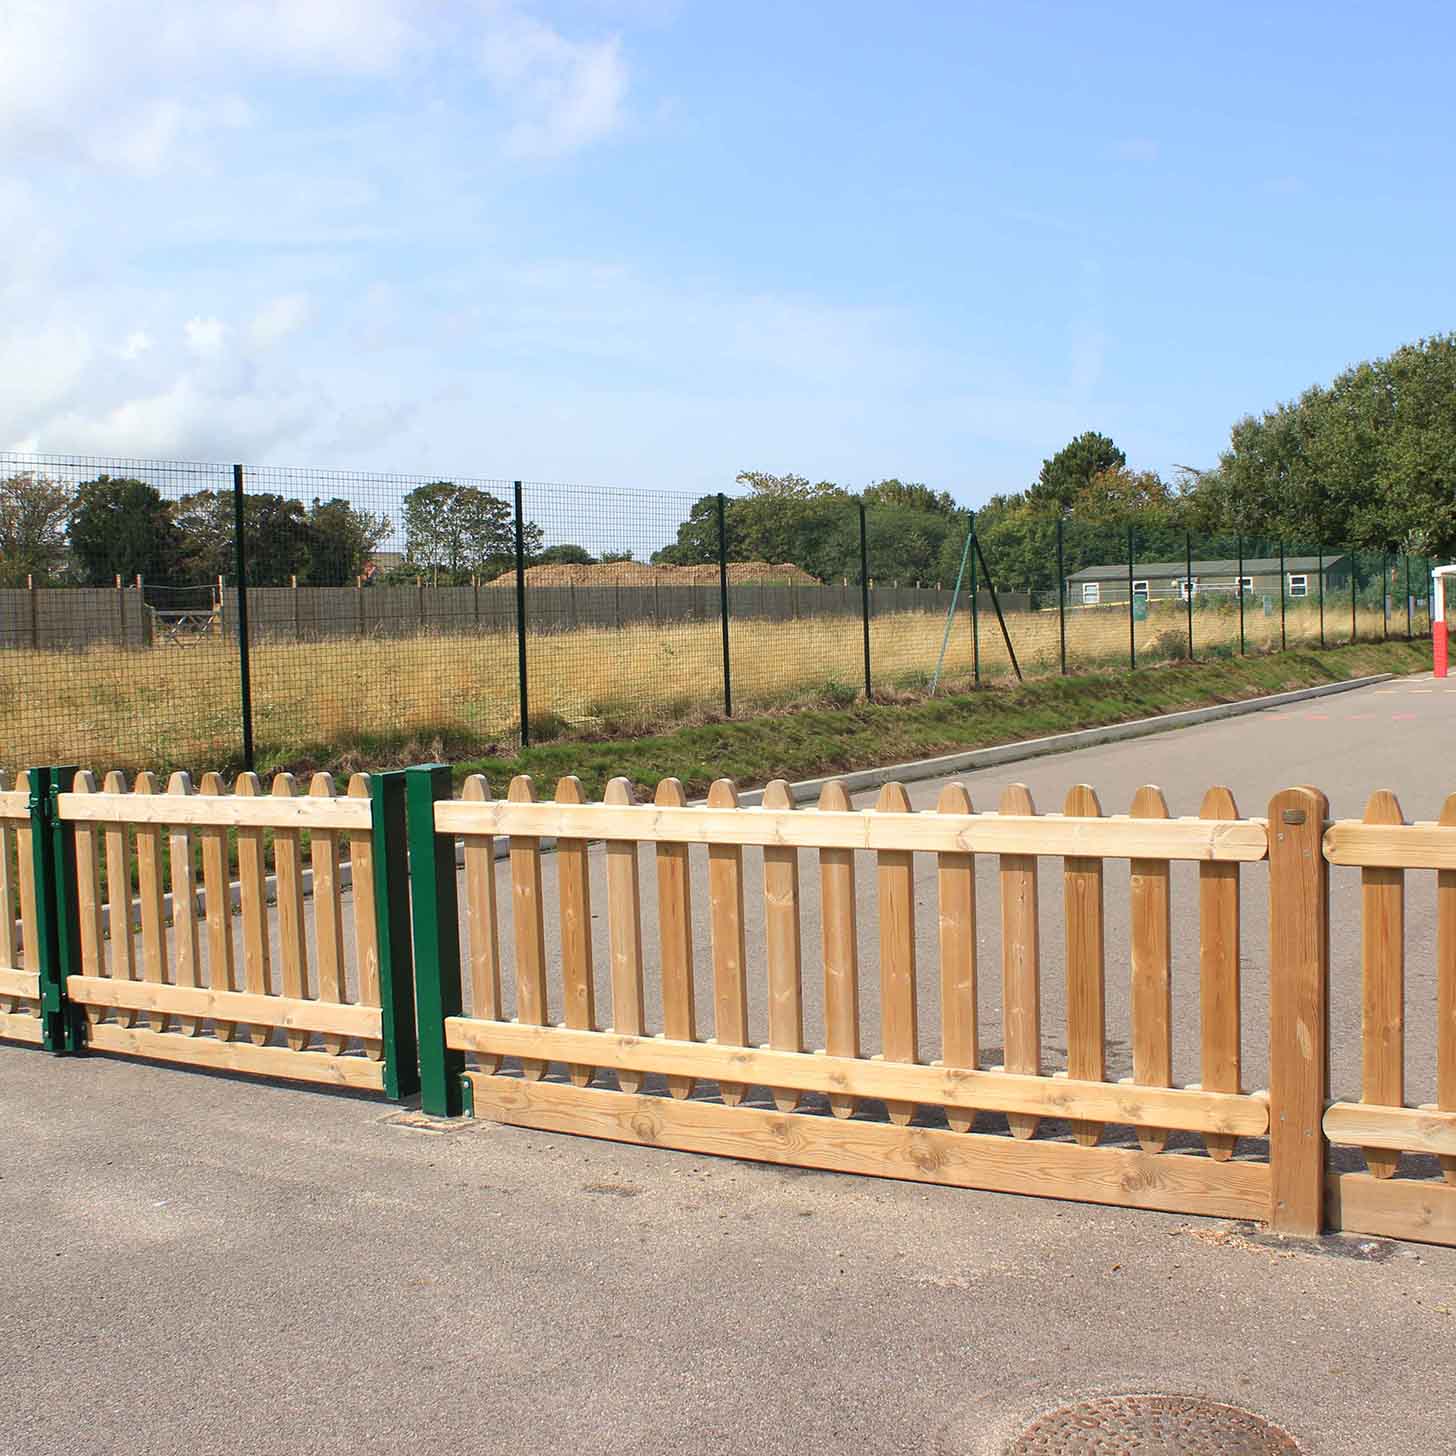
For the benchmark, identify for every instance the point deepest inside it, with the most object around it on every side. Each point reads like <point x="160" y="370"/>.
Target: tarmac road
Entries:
<point x="198" y="1263"/>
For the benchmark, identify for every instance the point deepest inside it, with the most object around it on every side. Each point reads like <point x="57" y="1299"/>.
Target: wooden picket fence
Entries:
<point x="125" y="932"/>
<point x="166" y="956"/>
<point x="1277" y="1186"/>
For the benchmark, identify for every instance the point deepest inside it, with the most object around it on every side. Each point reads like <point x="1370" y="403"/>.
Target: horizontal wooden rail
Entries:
<point x="237" y="1056"/>
<point x="264" y="812"/>
<point x="14" y="804"/>
<point x="1404" y="1129"/>
<point x="18" y="1026"/>
<point x="1116" y="837"/>
<point x="1123" y="1103"/>
<point x="1391" y="846"/>
<point x="1423" y="1209"/>
<point x="290" y="1013"/>
<point x="19" y="983"/>
<point x="1125" y="1177"/>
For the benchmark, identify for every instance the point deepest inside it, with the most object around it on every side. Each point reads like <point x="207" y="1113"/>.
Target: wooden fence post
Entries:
<point x="434" y="905"/>
<point x="390" y="866"/>
<point x="1299" y="1002"/>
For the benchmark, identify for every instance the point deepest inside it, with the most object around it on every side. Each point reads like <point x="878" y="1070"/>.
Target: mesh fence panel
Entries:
<point x="374" y="622"/>
<point x="118" y="652"/>
<point x="623" y="645"/>
<point x="384" y="610"/>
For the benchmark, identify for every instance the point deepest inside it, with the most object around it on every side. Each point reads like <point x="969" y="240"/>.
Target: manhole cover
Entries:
<point x="1152" y="1425"/>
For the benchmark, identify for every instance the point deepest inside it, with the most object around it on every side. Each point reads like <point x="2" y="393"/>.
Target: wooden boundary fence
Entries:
<point x="94" y="960"/>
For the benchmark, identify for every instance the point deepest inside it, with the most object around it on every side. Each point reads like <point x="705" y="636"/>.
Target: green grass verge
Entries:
<point x="808" y="743"/>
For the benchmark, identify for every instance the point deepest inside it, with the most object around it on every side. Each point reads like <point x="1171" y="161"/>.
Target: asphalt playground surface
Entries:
<point x="204" y="1263"/>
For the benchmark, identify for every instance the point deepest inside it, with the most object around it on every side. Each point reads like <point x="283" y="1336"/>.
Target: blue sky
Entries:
<point x="652" y="244"/>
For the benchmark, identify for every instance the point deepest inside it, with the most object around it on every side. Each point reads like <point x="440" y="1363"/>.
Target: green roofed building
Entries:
<point x="1171" y="580"/>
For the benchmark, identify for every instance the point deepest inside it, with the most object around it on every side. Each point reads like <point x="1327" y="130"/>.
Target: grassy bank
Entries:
<point x="809" y="743"/>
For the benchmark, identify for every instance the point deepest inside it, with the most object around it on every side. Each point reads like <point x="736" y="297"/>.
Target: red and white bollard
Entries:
<point x="1439" y="645"/>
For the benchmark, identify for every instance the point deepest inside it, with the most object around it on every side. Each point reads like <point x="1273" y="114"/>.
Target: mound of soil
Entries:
<point x="640" y="573"/>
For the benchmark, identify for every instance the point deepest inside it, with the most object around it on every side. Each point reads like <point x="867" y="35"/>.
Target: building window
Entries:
<point x="1187" y="587"/>
<point x="1246" y="585"/>
<point x="1298" y="585"/>
<point x="1139" y="588"/>
<point x="1091" y="593"/>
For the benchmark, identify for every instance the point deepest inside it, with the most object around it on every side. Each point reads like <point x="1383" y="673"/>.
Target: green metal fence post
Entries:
<point x="1354" y="593"/>
<point x="723" y="603"/>
<point x="1283" y="612"/>
<point x="864" y="596"/>
<point x="53" y="859"/>
<point x="435" y="908"/>
<point x="1061" y="596"/>
<point x="1322" y="593"/>
<point x="1240" y="584"/>
<point x="392" y="927"/>
<point x="1407" y="598"/>
<point x="975" y="609"/>
<point x="1188" y="585"/>
<point x="523" y="687"/>
<point x="1385" y="584"/>
<point x="1131" y="615"/>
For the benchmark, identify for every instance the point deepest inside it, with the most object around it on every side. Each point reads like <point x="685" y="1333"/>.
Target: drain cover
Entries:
<point x="1152" y="1425"/>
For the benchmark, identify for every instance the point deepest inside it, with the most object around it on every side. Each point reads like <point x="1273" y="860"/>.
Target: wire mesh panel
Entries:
<point x="116" y="644"/>
<point x="374" y="616"/>
<point x="623" y="610"/>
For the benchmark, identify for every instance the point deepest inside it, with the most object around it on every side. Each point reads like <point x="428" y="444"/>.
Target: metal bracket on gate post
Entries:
<point x="53" y="858"/>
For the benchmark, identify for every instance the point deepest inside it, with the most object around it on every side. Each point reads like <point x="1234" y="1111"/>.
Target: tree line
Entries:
<point x="52" y="533"/>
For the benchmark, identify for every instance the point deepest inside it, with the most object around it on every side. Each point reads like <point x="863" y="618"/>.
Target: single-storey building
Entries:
<point x="1170" y="580"/>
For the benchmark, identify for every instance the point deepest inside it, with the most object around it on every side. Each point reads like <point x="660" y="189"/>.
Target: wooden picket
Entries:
<point x="912" y="1089"/>
<point x="1393" y="1196"/>
<point x="187" y="991"/>
<point x="19" y="963"/>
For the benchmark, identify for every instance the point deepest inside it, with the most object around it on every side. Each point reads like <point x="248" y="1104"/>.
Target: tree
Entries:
<point x="911" y="494"/>
<point x="340" y="541"/>
<point x="1125" y="496"/>
<point x="33" y="516"/>
<point x="1367" y="462"/>
<point x="275" y="537"/>
<point x="566" y="555"/>
<point x="459" y="529"/>
<point x="783" y="487"/>
<point x="1071" y="469"/>
<point x="122" y="527"/>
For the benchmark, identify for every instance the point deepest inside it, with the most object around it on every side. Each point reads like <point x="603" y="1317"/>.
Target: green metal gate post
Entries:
<point x="53" y="858"/>
<point x="435" y="907"/>
<point x="392" y="931"/>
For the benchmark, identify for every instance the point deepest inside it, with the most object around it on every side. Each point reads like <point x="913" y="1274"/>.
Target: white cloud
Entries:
<point x="137" y="344"/>
<point x="205" y="336"/>
<point x="133" y="86"/>
<point x="564" y="93"/>
<point x="278" y="318"/>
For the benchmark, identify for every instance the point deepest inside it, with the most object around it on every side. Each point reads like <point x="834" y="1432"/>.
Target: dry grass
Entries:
<point x="385" y="697"/>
